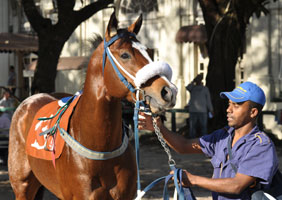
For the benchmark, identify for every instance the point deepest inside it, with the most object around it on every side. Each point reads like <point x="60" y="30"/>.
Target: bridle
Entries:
<point x="138" y="81"/>
<point x="114" y="62"/>
<point x="137" y="90"/>
<point x="157" y="67"/>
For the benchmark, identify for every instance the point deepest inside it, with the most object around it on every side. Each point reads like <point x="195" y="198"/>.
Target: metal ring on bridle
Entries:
<point x="171" y="162"/>
<point x="138" y="90"/>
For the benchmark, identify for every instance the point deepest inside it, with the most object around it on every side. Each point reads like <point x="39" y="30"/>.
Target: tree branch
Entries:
<point x="91" y="9"/>
<point x="34" y="17"/>
<point x="65" y="8"/>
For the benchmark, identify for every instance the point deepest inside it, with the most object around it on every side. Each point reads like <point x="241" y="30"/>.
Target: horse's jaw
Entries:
<point x="156" y="107"/>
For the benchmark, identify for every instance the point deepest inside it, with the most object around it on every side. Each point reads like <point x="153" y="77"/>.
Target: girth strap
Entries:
<point x="88" y="153"/>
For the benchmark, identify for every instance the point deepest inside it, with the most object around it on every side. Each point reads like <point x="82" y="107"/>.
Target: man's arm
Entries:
<point x="209" y="102"/>
<point x="190" y="86"/>
<point x="235" y="185"/>
<point x="177" y="142"/>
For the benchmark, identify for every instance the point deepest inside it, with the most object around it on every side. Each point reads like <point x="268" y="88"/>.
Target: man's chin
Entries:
<point x="230" y="124"/>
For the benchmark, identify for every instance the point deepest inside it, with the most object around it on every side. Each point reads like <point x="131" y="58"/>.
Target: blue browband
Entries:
<point x="106" y="53"/>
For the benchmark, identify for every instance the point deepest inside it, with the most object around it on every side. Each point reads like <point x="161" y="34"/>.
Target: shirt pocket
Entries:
<point x="217" y="166"/>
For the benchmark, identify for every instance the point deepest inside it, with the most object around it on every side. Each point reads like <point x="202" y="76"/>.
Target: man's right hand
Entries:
<point x="146" y="122"/>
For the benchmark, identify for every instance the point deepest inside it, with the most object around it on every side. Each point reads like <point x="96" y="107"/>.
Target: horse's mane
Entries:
<point x="94" y="41"/>
<point x="127" y="36"/>
<point x="91" y="46"/>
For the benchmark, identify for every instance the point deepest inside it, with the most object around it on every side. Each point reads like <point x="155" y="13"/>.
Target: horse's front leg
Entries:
<point x="100" y="193"/>
<point x="126" y="186"/>
<point x="126" y="177"/>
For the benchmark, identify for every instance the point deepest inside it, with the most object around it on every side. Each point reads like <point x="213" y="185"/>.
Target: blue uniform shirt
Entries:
<point x="253" y="154"/>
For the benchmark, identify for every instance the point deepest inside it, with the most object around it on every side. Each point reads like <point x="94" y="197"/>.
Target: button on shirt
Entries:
<point x="253" y="154"/>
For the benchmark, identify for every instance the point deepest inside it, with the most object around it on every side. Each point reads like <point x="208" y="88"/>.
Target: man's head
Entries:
<point x="245" y="103"/>
<point x="6" y="94"/>
<point x="246" y="91"/>
<point x="12" y="68"/>
<point x="199" y="79"/>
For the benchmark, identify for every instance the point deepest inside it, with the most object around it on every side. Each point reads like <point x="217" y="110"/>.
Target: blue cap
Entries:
<point x="246" y="91"/>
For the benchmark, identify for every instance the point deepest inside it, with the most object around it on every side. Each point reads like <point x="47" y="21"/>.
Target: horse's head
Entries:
<point x="125" y="55"/>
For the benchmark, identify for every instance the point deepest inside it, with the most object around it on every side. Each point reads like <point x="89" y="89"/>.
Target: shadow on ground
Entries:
<point x="153" y="165"/>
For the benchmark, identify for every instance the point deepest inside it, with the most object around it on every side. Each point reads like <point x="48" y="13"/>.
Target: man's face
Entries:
<point x="239" y="114"/>
<point x="6" y="95"/>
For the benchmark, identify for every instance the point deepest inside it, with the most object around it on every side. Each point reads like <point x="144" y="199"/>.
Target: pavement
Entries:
<point x="153" y="165"/>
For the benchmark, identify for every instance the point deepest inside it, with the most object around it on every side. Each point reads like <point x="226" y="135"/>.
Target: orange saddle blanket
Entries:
<point x="46" y="146"/>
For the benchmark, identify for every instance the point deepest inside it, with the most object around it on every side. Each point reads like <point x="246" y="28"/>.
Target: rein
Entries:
<point x="74" y="144"/>
<point x="138" y="102"/>
<point x="183" y="193"/>
<point x="161" y="69"/>
<point x="180" y="192"/>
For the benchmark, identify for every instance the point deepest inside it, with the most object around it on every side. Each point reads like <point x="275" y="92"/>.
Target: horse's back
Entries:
<point x="24" y="114"/>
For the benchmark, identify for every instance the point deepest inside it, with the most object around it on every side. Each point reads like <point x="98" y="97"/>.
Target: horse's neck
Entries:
<point x="97" y="122"/>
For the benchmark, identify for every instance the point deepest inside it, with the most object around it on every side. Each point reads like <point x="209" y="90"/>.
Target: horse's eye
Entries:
<point x="125" y="56"/>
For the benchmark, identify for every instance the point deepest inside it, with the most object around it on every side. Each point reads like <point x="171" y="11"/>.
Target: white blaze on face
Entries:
<point x="142" y="49"/>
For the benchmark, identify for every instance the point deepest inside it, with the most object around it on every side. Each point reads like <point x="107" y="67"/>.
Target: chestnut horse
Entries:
<point x="96" y="123"/>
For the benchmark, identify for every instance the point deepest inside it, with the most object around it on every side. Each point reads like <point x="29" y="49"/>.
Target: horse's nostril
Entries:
<point x="166" y="93"/>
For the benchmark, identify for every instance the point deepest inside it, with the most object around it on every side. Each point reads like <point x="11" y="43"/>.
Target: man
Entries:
<point x="253" y="153"/>
<point x="199" y="106"/>
<point x="4" y="124"/>
<point x="7" y="104"/>
<point x="12" y="79"/>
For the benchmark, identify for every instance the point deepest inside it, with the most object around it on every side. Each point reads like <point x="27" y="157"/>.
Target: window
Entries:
<point x="135" y="6"/>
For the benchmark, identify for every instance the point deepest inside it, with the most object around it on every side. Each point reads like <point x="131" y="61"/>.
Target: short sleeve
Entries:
<point x="208" y="142"/>
<point x="260" y="162"/>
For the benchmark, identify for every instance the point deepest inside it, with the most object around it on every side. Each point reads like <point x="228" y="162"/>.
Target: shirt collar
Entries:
<point x="245" y="138"/>
<point x="230" y="130"/>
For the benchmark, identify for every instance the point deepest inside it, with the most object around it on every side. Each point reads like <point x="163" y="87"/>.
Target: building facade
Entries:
<point x="161" y="21"/>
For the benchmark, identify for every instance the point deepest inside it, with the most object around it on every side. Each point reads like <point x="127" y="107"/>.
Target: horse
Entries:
<point x="96" y="124"/>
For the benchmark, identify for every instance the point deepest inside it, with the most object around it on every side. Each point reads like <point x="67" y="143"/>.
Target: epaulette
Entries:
<point x="263" y="138"/>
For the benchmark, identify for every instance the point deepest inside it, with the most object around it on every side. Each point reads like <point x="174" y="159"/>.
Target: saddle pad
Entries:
<point x="35" y="142"/>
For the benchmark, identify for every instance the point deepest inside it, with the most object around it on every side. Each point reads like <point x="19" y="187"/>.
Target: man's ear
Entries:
<point x="254" y="112"/>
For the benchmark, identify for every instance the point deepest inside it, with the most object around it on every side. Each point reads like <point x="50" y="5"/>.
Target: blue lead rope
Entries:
<point x="136" y="136"/>
<point x="182" y="192"/>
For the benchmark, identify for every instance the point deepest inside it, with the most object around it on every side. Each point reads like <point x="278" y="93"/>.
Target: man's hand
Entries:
<point x="146" y="122"/>
<point x="186" y="176"/>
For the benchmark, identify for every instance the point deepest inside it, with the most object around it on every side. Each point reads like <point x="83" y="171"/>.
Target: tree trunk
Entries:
<point x="48" y="55"/>
<point x="52" y="37"/>
<point x="226" y="22"/>
<point x="223" y="54"/>
<point x="225" y="41"/>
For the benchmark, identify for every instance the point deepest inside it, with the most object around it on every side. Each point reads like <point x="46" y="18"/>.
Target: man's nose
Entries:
<point x="228" y="110"/>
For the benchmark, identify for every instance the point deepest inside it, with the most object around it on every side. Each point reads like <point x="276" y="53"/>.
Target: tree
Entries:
<point x="226" y="22"/>
<point x="52" y="37"/>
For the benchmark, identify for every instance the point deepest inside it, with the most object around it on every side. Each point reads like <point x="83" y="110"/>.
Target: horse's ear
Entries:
<point x="112" y="26"/>
<point x="135" y="27"/>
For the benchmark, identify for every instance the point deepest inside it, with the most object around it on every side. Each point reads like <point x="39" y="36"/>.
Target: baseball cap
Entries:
<point x="246" y="91"/>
